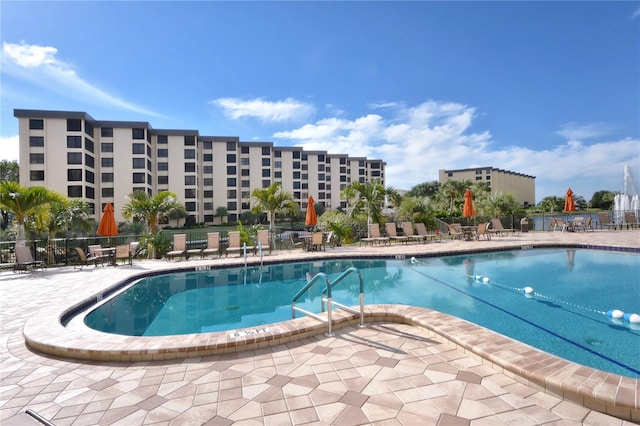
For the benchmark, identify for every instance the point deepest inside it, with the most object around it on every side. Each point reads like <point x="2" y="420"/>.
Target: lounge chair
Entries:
<point x="482" y="231"/>
<point x="134" y="246"/>
<point x="25" y="261"/>
<point x="97" y="253"/>
<point x="390" y="227"/>
<point x="423" y="234"/>
<point x="179" y="246"/>
<point x="234" y="245"/>
<point x="497" y="228"/>
<point x="374" y="235"/>
<point x="213" y="244"/>
<point x="195" y="251"/>
<point x="123" y="252"/>
<point x="630" y="220"/>
<point x="583" y="225"/>
<point x="455" y="231"/>
<point x="262" y="239"/>
<point x="83" y="259"/>
<point x="605" y="221"/>
<point x="407" y="230"/>
<point x="317" y="241"/>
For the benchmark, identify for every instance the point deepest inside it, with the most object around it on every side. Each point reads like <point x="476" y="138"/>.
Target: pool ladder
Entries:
<point x="326" y="298"/>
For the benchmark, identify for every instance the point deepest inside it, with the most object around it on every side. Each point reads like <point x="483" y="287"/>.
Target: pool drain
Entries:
<point x="594" y="342"/>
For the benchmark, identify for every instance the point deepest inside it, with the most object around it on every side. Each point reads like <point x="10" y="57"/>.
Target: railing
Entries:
<point x="326" y="298"/>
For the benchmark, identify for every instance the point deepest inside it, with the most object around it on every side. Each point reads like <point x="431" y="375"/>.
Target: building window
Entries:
<point x="139" y="177"/>
<point x="190" y="193"/>
<point x="246" y="184"/>
<point x="207" y="170"/>
<point x="190" y="180"/>
<point x="74" y="141"/>
<point x="88" y="145"/>
<point x="163" y="139"/>
<point x="245" y="161"/>
<point x="321" y="167"/>
<point x="231" y="182"/>
<point x="478" y="177"/>
<point x="231" y="158"/>
<point x="277" y="175"/>
<point x="107" y="177"/>
<point x="36" y="124"/>
<point x="74" y="191"/>
<point x="36" y="174"/>
<point x="90" y="192"/>
<point x="106" y="147"/>
<point x="190" y="206"/>
<point x="266" y="172"/>
<point x="266" y="150"/>
<point x="106" y="132"/>
<point x="89" y="160"/>
<point x="74" y="125"/>
<point x="207" y="145"/>
<point x="190" y="167"/>
<point x="74" y="175"/>
<point x="189" y="140"/>
<point x="207" y="181"/>
<point x="266" y="162"/>
<point x="163" y="166"/>
<point x="244" y="172"/>
<point x="232" y="193"/>
<point x="36" y="141"/>
<point x="232" y="205"/>
<point x="207" y="157"/>
<point x="488" y="177"/>
<point x="488" y="171"/>
<point x="296" y="175"/>
<point x="88" y="128"/>
<point x="163" y="180"/>
<point x="231" y="146"/>
<point x="138" y="148"/>
<point x="137" y="134"/>
<point x="208" y="194"/>
<point x="277" y="164"/>
<point x="478" y="172"/>
<point x="277" y="154"/>
<point x="296" y="164"/>
<point x="163" y="153"/>
<point x="189" y="154"/>
<point x="107" y="192"/>
<point x="138" y="163"/>
<point x="266" y="183"/>
<point x="244" y="150"/>
<point x="231" y="170"/>
<point x="74" y="158"/>
<point x="449" y="174"/>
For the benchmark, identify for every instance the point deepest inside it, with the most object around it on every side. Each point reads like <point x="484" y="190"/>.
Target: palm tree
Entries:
<point x="369" y="197"/>
<point x="28" y="204"/>
<point x="452" y="190"/>
<point x="273" y="200"/>
<point x="153" y="210"/>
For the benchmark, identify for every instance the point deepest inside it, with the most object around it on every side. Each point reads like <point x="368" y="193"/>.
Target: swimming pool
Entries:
<point x="566" y="317"/>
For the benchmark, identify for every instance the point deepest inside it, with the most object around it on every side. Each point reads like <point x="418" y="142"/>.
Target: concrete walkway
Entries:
<point x="387" y="373"/>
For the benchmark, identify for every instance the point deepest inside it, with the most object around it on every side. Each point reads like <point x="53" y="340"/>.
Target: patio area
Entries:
<point x="427" y="370"/>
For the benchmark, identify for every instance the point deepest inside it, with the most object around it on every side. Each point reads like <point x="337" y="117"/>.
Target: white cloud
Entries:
<point x="39" y="66"/>
<point x="266" y="111"/>
<point x="417" y="141"/>
<point x="9" y="148"/>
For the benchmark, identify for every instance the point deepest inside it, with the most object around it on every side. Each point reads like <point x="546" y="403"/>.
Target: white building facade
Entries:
<point x="104" y="161"/>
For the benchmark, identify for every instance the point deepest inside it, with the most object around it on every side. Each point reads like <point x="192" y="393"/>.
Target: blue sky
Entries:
<point x="550" y="89"/>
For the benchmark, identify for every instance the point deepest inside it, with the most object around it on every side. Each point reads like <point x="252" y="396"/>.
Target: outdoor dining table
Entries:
<point x="469" y="233"/>
<point x="110" y="252"/>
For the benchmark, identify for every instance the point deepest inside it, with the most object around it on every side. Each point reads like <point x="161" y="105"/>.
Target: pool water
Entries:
<point x="574" y="289"/>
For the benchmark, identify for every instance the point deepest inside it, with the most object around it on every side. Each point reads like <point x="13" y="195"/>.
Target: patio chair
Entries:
<point x="213" y="244"/>
<point x="179" y="248"/>
<point x="374" y="235"/>
<point x="583" y="225"/>
<point x="407" y="230"/>
<point x="455" y="231"/>
<point x="390" y="227"/>
<point x="605" y="221"/>
<point x="25" y="261"/>
<point x="195" y="251"/>
<point x="123" y="252"/>
<point x="84" y="260"/>
<point x="630" y="220"/>
<point x="482" y="231"/>
<point x="97" y="254"/>
<point x="234" y="245"/>
<point x="262" y="238"/>
<point x="134" y="246"/>
<point x="296" y="241"/>
<point x="423" y="234"/>
<point x="317" y="241"/>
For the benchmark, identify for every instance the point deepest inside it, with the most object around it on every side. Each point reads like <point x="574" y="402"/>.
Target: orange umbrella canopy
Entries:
<point x="107" y="226"/>
<point x="467" y="210"/>
<point x="569" y="205"/>
<point x="311" y="219"/>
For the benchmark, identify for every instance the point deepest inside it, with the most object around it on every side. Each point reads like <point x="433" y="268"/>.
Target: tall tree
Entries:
<point x="451" y="191"/>
<point x="426" y="189"/>
<point x="28" y="204"/>
<point x="369" y="198"/>
<point x="273" y="200"/>
<point x="9" y="171"/>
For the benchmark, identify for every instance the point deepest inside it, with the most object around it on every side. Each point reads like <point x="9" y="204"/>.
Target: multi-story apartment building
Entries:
<point x="104" y="161"/>
<point x="522" y="186"/>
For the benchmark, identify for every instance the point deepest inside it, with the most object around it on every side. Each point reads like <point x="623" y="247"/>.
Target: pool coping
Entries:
<point x="608" y="393"/>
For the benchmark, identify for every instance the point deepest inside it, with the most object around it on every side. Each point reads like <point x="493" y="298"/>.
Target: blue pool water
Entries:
<point x="567" y="316"/>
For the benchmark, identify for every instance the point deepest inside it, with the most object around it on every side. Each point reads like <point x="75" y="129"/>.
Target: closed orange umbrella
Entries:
<point x="107" y="226"/>
<point x="311" y="218"/>
<point x="569" y="205"/>
<point x="467" y="210"/>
